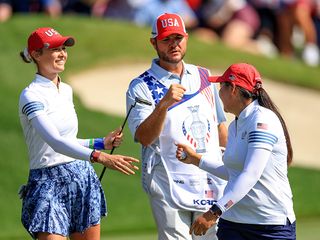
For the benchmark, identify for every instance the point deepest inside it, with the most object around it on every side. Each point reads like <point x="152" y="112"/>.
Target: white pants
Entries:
<point x="172" y="223"/>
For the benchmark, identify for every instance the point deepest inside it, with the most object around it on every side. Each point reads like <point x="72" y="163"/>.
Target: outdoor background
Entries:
<point x="108" y="43"/>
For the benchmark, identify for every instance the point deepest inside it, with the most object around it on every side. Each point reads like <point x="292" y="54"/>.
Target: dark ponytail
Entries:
<point x="265" y="101"/>
<point x="26" y="56"/>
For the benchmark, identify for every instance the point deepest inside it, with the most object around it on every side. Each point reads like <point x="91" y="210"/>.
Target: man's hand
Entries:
<point x="174" y="94"/>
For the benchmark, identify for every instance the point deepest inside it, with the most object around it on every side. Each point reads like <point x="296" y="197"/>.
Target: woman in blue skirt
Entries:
<point x="63" y="197"/>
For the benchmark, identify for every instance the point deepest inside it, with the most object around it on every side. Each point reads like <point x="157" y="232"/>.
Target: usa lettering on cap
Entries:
<point x="167" y="24"/>
<point x="170" y="23"/>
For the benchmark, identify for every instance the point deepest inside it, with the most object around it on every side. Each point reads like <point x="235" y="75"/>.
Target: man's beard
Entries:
<point x="164" y="57"/>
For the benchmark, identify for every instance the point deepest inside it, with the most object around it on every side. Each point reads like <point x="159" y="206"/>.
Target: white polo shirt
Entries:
<point x="43" y="98"/>
<point x="263" y="195"/>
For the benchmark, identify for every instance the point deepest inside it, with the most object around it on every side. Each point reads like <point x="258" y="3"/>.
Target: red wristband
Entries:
<point x="94" y="156"/>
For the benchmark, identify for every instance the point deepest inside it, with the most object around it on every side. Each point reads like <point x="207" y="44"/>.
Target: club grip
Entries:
<point x="143" y="101"/>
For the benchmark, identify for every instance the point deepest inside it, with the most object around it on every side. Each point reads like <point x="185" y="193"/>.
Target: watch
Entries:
<point x="94" y="156"/>
<point x="215" y="210"/>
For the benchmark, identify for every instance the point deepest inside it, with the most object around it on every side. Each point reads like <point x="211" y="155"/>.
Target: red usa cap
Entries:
<point x="241" y="74"/>
<point x="47" y="38"/>
<point x="167" y="24"/>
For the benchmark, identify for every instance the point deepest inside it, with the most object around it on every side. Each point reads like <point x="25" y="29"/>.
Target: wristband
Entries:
<point x="91" y="141"/>
<point x="94" y="156"/>
<point x="215" y="210"/>
<point x="96" y="143"/>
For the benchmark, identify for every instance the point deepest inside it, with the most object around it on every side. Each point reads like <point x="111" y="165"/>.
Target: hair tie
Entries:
<point x="258" y="86"/>
<point x="27" y="55"/>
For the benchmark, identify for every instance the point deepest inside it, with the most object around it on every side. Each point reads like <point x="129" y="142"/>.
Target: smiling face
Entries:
<point x="171" y="49"/>
<point x="50" y="62"/>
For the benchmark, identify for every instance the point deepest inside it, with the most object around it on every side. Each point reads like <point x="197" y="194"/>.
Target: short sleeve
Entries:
<point x="31" y="105"/>
<point x="139" y="112"/>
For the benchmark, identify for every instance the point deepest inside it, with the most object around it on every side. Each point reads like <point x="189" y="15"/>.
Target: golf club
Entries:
<point x="136" y="100"/>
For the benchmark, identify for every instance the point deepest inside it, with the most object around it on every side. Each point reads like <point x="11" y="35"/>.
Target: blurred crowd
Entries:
<point x="289" y="28"/>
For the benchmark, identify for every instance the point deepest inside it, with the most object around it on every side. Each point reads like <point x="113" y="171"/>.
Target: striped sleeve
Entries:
<point x="262" y="138"/>
<point x="31" y="108"/>
<point x="31" y="105"/>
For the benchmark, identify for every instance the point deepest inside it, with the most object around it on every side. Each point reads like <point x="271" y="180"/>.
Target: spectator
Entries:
<point x="5" y="11"/>
<point x="306" y="14"/>
<point x="8" y="7"/>
<point x="144" y="12"/>
<point x="233" y="21"/>
<point x="77" y="6"/>
<point x="280" y="18"/>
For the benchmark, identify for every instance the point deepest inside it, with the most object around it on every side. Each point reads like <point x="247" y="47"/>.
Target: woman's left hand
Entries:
<point x="203" y="223"/>
<point x="113" y="139"/>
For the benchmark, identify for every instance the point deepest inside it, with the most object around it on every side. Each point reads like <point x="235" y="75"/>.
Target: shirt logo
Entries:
<point x="203" y="202"/>
<point x="244" y="134"/>
<point x="179" y="181"/>
<point x="209" y="194"/>
<point x="196" y="128"/>
<point x="228" y="204"/>
<point x="262" y="126"/>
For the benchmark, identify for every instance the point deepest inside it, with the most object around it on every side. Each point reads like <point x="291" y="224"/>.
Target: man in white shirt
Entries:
<point x="185" y="107"/>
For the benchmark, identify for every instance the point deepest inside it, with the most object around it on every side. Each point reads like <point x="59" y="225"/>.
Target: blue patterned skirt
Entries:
<point x="63" y="199"/>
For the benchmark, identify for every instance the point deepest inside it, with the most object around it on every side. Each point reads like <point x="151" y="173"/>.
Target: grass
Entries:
<point x="101" y="42"/>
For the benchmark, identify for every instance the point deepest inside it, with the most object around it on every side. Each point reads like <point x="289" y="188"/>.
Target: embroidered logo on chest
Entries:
<point x="196" y="128"/>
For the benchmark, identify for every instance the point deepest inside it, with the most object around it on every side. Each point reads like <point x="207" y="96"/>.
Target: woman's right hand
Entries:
<point x="123" y="164"/>
<point x="201" y="225"/>
<point x="187" y="155"/>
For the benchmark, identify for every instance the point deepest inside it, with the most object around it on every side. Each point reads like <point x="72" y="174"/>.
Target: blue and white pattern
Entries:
<point x="32" y="107"/>
<point x="157" y="89"/>
<point x="63" y="199"/>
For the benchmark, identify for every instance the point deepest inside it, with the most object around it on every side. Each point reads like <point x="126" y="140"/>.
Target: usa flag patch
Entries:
<point x="263" y="126"/>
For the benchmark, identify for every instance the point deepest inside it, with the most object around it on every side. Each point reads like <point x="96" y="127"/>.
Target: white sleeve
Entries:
<point x="139" y="112"/>
<point x="255" y="164"/>
<point x="214" y="167"/>
<point x="65" y="146"/>
<point x="84" y="142"/>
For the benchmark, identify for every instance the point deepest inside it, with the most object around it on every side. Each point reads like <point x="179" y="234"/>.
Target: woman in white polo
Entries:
<point x="257" y="201"/>
<point x="63" y="196"/>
